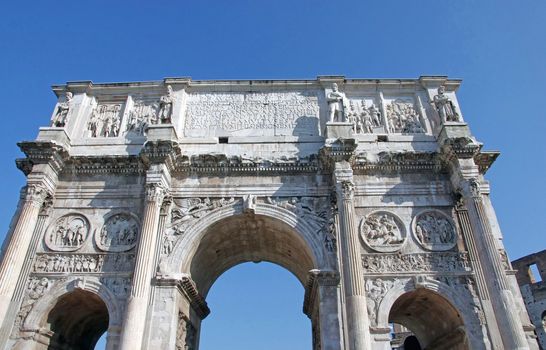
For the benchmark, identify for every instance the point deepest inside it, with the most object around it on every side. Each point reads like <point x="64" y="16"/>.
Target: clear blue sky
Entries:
<point x="497" y="47"/>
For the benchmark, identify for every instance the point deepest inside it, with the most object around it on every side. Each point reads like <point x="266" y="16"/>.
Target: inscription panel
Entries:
<point x="255" y="114"/>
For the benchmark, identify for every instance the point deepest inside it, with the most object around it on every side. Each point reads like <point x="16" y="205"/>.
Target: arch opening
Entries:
<point x="259" y="302"/>
<point x="76" y="322"/>
<point x="433" y="321"/>
<point x="249" y="238"/>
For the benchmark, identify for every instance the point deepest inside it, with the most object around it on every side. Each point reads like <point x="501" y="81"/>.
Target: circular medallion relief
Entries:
<point x="382" y="231"/>
<point x="68" y="233"/>
<point x="119" y="233"/>
<point x="434" y="230"/>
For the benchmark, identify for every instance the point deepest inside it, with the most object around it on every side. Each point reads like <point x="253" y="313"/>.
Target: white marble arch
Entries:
<point x="184" y="251"/>
<point x="34" y="321"/>
<point x="475" y="334"/>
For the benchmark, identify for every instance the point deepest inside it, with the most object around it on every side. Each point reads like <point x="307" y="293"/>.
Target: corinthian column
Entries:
<point x="358" y="325"/>
<point x="14" y="256"/>
<point x="137" y="304"/>
<point x="502" y="299"/>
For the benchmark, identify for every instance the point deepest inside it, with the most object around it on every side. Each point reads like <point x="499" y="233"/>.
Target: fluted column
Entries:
<point x="12" y="264"/>
<point x="481" y="283"/>
<point x="511" y="328"/>
<point x="358" y="325"/>
<point x="137" y="304"/>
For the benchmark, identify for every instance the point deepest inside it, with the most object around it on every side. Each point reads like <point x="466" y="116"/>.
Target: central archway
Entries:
<point x="249" y="238"/>
<point x="231" y="236"/>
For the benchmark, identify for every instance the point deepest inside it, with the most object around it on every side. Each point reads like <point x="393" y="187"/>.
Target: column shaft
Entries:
<point x="137" y="303"/>
<point x="481" y="285"/>
<point x="14" y="256"/>
<point x="502" y="299"/>
<point x="358" y="327"/>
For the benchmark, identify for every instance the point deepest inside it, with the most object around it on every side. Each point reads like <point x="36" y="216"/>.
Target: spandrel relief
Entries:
<point x="402" y="117"/>
<point x="68" y="233"/>
<point x="433" y="230"/>
<point x="185" y="213"/>
<point x="105" y="120"/>
<point x="365" y="116"/>
<point x="119" y="233"/>
<point x="275" y="113"/>
<point x="383" y="231"/>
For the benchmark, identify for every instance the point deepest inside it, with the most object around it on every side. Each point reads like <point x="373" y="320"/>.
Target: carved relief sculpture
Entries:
<point x="382" y="231"/>
<point x="336" y="106"/>
<point x="63" y="108"/>
<point x="445" y="107"/>
<point x="402" y="118"/>
<point x="416" y="262"/>
<point x="105" y="121"/>
<point x="365" y="120"/>
<point x="142" y="115"/>
<point x="166" y="106"/>
<point x="433" y="230"/>
<point x="118" y="234"/>
<point x="68" y="233"/>
<point x="376" y="291"/>
<point x="36" y="288"/>
<point x="80" y="263"/>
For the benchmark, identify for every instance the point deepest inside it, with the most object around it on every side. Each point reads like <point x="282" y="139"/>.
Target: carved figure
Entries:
<point x="141" y="116"/>
<point x="380" y="230"/>
<point x="166" y="106"/>
<point x="445" y="107"/>
<point x="63" y="108"/>
<point x="68" y="233"/>
<point x="336" y="104"/>
<point x="376" y="290"/>
<point x="105" y="121"/>
<point x="119" y="233"/>
<point x="434" y="231"/>
<point x="417" y="262"/>
<point x="402" y="118"/>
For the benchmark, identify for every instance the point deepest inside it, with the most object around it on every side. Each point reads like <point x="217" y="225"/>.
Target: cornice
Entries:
<point x="485" y="159"/>
<point x="124" y="165"/>
<point x="395" y="161"/>
<point x="41" y="152"/>
<point x="222" y="164"/>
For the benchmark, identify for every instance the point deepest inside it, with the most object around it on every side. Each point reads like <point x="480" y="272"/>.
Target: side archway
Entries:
<point x="440" y="316"/>
<point x="73" y="314"/>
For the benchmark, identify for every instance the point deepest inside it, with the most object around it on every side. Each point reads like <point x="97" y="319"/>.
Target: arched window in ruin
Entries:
<point x="433" y="320"/>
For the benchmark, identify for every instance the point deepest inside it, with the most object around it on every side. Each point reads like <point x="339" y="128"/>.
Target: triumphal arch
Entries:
<point x="371" y="192"/>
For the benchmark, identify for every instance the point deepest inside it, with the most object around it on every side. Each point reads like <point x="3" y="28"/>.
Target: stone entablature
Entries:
<point x="370" y="191"/>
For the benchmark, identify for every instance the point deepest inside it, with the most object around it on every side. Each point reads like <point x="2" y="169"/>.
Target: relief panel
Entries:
<point x="119" y="233"/>
<point x="68" y="233"/>
<point x="434" y="230"/>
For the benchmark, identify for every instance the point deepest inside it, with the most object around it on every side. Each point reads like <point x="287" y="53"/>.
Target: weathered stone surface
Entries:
<point x="371" y="192"/>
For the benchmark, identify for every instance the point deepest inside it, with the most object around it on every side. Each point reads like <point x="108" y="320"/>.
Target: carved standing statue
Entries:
<point x="445" y="107"/>
<point x="61" y="115"/>
<point x="166" y="106"/>
<point x="335" y="104"/>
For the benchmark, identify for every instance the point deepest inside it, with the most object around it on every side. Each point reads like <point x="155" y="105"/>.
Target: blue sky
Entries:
<point x="498" y="48"/>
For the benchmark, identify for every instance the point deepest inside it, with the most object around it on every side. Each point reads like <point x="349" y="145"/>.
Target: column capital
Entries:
<point x="155" y="192"/>
<point x="36" y="194"/>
